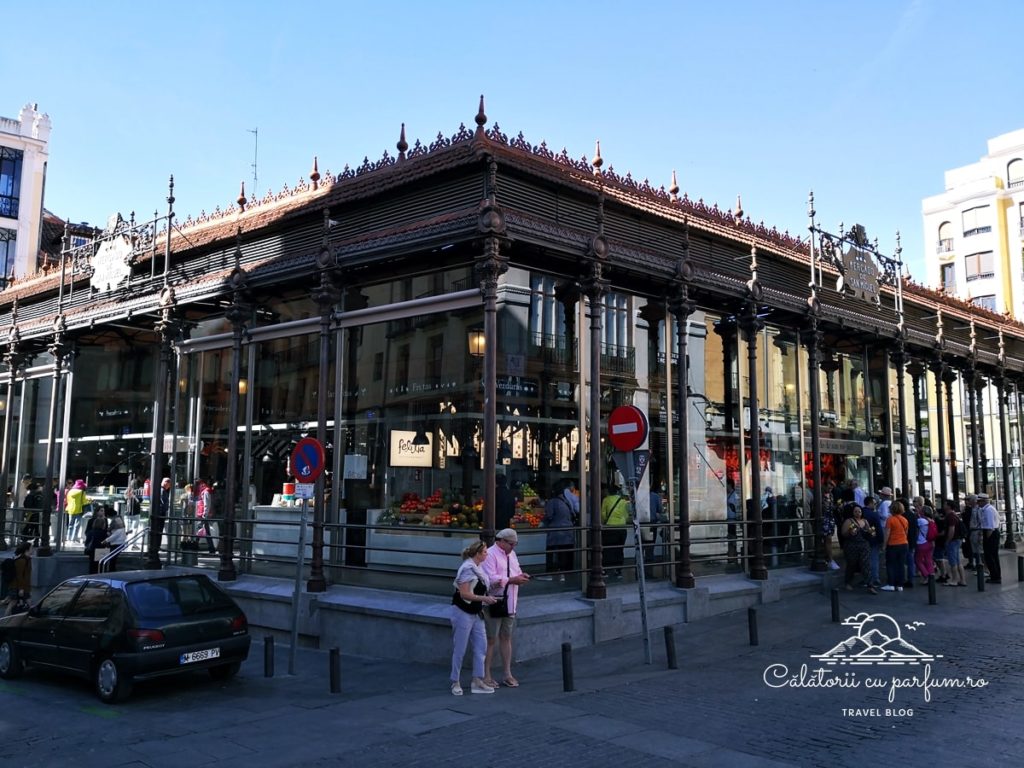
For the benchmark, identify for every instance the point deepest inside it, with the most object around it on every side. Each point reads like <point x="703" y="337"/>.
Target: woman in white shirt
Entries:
<point x="467" y="619"/>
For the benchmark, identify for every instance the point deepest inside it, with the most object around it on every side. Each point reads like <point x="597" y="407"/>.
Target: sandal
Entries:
<point x="511" y="682"/>
<point x="490" y="682"/>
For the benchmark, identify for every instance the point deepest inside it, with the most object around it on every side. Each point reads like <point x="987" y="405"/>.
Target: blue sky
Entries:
<point x="867" y="103"/>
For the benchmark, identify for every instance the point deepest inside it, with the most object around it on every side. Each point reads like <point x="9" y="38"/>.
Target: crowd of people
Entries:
<point x="914" y="539"/>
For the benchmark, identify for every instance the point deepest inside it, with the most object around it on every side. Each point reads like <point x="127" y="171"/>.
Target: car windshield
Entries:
<point x="175" y="597"/>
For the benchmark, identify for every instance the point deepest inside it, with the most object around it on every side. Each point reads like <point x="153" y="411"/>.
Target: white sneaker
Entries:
<point x="456" y="689"/>
<point x="833" y="565"/>
<point x="479" y="686"/>
<point x="899" y="589"/>
<point x="888" y="588"/>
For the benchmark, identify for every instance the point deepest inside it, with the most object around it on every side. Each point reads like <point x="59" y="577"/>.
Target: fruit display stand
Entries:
<point x="416" y="546"/>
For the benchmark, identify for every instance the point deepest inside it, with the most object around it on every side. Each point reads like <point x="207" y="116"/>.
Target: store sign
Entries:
<point x="517" y="386"/>
<point x="847" y="447"/>
<point x="405" y="454"/>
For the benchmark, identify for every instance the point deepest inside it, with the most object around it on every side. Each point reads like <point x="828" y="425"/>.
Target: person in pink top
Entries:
<point x="505" y="576"/>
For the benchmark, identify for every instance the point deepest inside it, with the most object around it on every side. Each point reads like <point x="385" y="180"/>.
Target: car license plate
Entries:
<point x="210" y="653"/>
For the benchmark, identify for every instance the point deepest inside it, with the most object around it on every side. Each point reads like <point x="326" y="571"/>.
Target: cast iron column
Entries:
<point x="751" y="325"/>
<point x="812" y="339"/>
<point x="594" y="287"/>
<point x="57" y="351"/>
<point x="238" y="314"/>
<point x="1004" y="438"/>
<point x="983" y="436"/>
<point x="681" y="308"/>
<point x="167" y="328"/>
<point x="975" y="441"/>
<point x="917" y="378"/>
<point x="949" y="377"/>
<point x="326" y="295"/>
<point x="937" y="371"/>
<point x="899" y="359"/>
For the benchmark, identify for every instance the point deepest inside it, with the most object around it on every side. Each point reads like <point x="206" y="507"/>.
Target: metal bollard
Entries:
<point x="979" y="571"/>
<point x="670" y="648"/>
<point x="1020" y="568"/>
<point x="268" y="656"/>
<point x="931" y="590"/>
<point x="567" y="684"/>
<point x="752" y="625"/>
<point x="335" y="670"/>
<point x="835" y="606"/>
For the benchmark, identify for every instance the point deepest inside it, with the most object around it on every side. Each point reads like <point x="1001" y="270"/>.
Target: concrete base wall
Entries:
<point x="386" y="624"/>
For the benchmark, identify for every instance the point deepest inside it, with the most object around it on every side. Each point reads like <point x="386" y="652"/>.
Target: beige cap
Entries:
<point x="507" y="534"/>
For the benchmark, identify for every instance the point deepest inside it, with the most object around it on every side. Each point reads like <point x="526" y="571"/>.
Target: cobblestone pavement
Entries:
<point x="715" y="710"/>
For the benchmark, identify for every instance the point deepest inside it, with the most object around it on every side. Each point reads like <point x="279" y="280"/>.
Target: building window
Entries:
<point x="976" y="221"/>
<point x="10" y="181"/>
<point x="1015" y="173"/>
<point x="8" y="249"/>
<point x="616" y="324"/>
<point x="945" y="237"/>
<point x="949" y="278"/>
<point x="547" y="313"/>
<point x="985" y="302"/>
<point x="979" y="265"/>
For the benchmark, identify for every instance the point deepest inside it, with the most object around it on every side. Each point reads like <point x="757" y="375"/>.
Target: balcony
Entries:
<point x="9" y="206"/>
<point x="945" y="245"/>
<point x="553" y="350"/>
<point x="617" y="358"/>
<point x="977" y="231"/>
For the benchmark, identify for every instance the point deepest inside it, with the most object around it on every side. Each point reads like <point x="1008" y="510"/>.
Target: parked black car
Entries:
<point x="117" y="628"/>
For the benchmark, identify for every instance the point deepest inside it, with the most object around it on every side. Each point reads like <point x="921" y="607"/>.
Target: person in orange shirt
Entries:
<point x="896" y="528"/>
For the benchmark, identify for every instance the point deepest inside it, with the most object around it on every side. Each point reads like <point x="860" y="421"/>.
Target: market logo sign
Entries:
<point x="877" y="656"/>
<point x="110" y="265"/>
<point x="860" y="275"/>
<point x="405" y="454"/>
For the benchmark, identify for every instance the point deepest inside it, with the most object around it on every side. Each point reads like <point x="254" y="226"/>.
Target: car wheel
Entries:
<point x="225" y="671"/>
<point x="112" y="685"/>
<point x="11" y="665"/>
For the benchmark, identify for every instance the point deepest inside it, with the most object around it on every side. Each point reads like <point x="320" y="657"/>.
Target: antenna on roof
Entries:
<point x="255" y="158"/>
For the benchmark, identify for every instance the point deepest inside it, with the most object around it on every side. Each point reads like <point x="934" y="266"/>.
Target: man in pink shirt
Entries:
<point x="504" y="574"/>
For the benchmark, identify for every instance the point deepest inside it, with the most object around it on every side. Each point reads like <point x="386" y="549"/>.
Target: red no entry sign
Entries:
<point x="627" y="428"/>
<point x="308" y="460"/>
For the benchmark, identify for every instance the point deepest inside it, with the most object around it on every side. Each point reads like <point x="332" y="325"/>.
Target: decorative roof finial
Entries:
<point x="314" y="175"/>
<point x="481" y="118"/>
<point x="938" y="324"/>
<point x="241" y="198"/>
<point x="1002" y="348"/>
<point x="402" y="144"/>
<point x="974" y="340"/>
<point x="674" y="189"/>
<point x="737" y="214"/>
<point x="598" y="161"/>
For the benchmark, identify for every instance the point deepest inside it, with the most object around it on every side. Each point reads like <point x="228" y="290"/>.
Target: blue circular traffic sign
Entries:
<point x="308" y="460"/>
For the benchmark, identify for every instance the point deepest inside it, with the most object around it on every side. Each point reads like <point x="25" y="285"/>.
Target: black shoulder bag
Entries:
<point x="499" y="610"/>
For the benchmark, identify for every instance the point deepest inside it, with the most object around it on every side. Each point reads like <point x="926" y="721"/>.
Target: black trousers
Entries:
<point x="992" y="554"/>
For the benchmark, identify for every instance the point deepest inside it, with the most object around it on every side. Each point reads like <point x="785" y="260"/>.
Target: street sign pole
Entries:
<point x="627" y="431"/>
<point x="307" y="466"/>
<point x="300" y="563"/>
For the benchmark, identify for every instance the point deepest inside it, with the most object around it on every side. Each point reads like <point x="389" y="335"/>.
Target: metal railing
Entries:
<point x="123" y="547"/>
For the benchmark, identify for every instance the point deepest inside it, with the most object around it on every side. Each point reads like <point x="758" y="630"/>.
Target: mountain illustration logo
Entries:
<point x="878" y="640"/>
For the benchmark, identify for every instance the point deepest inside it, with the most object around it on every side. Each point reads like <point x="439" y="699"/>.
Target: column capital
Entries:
<point x="490" y="266"/>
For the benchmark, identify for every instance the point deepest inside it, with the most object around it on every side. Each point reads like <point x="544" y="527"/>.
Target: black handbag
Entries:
<point x="499" y="610"/>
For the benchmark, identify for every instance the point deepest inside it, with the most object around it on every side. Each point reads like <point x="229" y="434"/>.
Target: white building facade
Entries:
<point x="24" y="153"/>
<point x="974" y="231"/>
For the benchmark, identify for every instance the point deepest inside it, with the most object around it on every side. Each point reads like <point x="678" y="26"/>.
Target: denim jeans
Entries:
<point x="873" y="559"/>
<point x="896" y="564"/>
